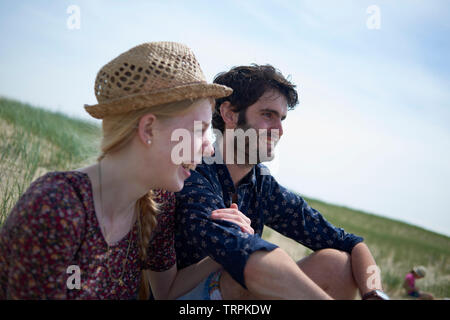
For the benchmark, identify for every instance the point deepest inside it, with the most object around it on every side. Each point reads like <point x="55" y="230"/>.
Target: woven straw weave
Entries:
<point x="151" y="74"/>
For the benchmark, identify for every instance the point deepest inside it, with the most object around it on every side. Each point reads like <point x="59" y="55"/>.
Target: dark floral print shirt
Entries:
<point x="53" y="232"/>
<point x="260" y="198"/>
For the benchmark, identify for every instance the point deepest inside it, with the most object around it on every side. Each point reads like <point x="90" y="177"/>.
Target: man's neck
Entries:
<point x="237" y="171"/>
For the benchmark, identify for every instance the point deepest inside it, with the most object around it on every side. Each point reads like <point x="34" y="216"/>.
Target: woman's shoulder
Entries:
<point x="61" y="178"/>
<point x="165" y="199"/>
<point x="55" y="197"/>
<point x="59" y="188"/>
<point x="161" y="195"/>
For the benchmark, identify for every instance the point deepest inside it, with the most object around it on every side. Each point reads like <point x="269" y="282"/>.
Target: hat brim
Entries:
<point x="154" y="98"/>
<point x="419" y="272"/>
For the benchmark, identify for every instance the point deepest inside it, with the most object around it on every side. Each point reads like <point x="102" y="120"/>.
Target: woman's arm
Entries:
<point x="173" y="283"/>
<point x="39" y="239"/>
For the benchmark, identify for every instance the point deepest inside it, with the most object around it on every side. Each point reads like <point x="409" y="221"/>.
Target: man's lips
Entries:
<point x="270" y="141"/>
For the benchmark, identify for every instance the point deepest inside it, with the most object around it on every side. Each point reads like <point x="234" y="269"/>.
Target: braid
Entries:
<point x="118" y="131"/>
<point x="148" y="209"/>
<point x="100" y="157"/>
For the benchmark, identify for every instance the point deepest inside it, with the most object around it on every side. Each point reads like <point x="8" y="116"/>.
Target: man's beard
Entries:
<point x="252" y="151"/>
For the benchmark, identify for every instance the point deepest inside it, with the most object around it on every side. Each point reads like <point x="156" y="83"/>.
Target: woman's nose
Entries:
<point x="207" y="148"/>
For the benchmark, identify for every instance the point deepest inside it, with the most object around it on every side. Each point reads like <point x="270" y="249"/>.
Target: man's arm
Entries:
<point x="269" y="272"/>
<point x="173" y="283"/>
<point x="365" y="271"/>
<point x="199" y="235"/>
<point x="289" y="214"/>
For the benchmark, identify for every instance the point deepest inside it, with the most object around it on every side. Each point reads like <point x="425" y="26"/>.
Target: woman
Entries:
<point x="85" y="233"/>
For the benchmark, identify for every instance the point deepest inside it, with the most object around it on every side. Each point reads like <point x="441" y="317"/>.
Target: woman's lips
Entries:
<point x="186" y="172"/>
<point x="186" y="169"/>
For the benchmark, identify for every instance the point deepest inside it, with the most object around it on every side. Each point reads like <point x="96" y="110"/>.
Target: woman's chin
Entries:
<point x="179" y="188"/>
<point x="176" y="184"/>
<point x="175" y="187"/>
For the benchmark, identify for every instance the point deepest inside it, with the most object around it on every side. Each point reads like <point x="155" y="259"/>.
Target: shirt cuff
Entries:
<point x="235" y="260"/>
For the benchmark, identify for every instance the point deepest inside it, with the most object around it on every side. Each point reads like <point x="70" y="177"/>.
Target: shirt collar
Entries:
<point x="224" y="175"/>
<point x="250" y="178"/>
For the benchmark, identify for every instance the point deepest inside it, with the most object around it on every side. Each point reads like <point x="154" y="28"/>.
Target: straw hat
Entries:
<point x="420" y="271"/>
<point x="151" y="74"/>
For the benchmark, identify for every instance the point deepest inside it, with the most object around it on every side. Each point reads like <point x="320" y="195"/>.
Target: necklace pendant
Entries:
<point x="121" y="283"/>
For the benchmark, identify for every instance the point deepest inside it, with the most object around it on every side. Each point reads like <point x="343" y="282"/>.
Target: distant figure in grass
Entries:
<point x="410" y="284"/>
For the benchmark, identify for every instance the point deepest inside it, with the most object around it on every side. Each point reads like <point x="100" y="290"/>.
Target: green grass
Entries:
<point x="396" y="247"/>
<point x="34" y="141"/>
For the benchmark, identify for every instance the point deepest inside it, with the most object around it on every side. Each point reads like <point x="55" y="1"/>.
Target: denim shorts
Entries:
<point x="207" y="289"/>
<point x="414" y="294"/>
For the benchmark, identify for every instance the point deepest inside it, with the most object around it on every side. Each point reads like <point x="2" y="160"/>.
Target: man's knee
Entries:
<point x="334" y="260"/>
<point x="333" y="254"/>
<point x="338" y="262"/>
<point x="331" y="269"/>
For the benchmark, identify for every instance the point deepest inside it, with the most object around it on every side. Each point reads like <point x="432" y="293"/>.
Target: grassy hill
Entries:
<point x="34" y="141"/>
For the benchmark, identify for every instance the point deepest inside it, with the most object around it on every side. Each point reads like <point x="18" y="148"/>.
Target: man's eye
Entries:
<point x="267" y="114"/>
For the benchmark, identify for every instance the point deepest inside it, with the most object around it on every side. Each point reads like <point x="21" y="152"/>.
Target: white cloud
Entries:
<point x="371" y="129"/>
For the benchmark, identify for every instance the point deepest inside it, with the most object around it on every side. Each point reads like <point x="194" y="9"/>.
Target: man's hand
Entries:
<point x="233" y="215"/>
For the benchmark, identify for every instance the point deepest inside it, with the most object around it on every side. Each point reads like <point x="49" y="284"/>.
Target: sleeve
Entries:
<point x="221" y="240"/>
<point x="161" y="254"/>
<point x="410" y="279"/>
<point x="290" y="215"/>
<point x="40" y="239"/>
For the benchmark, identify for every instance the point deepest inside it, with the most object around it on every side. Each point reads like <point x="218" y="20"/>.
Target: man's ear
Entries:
<point x="228" y="115"/>
<point x="146" y="127"/>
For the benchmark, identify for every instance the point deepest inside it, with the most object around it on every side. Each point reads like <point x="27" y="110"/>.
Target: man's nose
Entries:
<point x="279" y="128"/>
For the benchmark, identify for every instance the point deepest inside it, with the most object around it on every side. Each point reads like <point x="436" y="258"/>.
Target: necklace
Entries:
<point x="119" y="279"/>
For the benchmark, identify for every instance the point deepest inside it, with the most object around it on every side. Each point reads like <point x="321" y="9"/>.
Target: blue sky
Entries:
<point x="372" y="130"/>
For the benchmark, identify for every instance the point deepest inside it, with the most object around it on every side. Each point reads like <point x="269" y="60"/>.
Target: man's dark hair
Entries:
<point x="249" y="83"/>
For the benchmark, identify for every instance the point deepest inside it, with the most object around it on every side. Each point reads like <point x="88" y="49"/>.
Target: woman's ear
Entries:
<point x="228" y="115"/>
<point x="145" y="128"/>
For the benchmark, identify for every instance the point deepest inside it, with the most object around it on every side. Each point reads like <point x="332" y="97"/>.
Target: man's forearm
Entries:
<point x="365" y="271"/>
<point x="274" y="275"/>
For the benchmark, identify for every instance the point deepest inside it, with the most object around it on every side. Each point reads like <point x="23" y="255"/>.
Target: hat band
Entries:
<point x="149" y="92"/>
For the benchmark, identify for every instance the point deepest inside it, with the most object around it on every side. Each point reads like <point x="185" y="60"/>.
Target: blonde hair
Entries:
<point x="118" y="131"/>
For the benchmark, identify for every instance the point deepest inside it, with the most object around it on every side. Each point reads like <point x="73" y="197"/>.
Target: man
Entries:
<point x="252" y="267"/>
